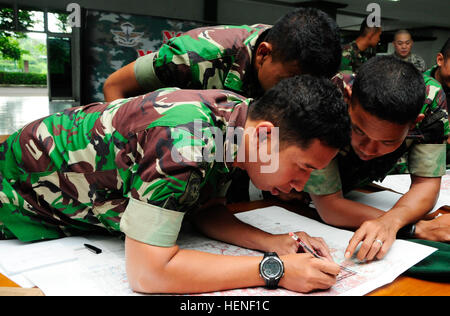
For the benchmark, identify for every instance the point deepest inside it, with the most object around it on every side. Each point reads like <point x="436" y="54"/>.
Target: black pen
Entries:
<point x="93" y="249"/>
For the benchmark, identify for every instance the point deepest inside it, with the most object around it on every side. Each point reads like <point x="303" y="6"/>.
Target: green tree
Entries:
<point x="9" y="44"/>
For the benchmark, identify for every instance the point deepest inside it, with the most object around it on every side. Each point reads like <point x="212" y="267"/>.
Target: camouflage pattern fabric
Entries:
<point x="216" y="57"/>
<point x="414" y="59"/>
<point x="110" y="166"/>
<point x="432" y="73"/>
<point x="353" y="58"/>
<point x="113" y="40"/>
<point x="422" y="153"/>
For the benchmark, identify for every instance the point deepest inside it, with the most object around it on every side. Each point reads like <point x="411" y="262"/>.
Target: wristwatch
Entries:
<point x="407" y="232"/>
<point x="271" y="269"/>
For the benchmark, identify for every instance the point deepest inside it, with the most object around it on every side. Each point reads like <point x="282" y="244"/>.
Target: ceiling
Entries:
<point x="394" y="14"/>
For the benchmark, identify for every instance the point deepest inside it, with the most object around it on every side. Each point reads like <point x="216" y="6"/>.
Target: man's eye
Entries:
<point x="357" y="130"/>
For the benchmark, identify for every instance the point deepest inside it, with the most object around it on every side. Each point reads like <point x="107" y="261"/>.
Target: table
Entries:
<point x="402" y="286"/>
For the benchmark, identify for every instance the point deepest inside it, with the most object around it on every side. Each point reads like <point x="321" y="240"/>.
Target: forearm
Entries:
<point x="189" y="271"/>
<point x="218" y="223"/>
<point x="415" y="203"/>
<point x="121" y="84"/>
<point x="336" y="210"/>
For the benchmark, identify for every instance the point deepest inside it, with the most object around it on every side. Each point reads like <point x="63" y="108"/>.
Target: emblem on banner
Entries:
<point x="126" y="37"/>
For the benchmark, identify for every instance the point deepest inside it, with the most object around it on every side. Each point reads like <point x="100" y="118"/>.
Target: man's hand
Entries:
<point x="377" y="237"/>
<point x="285" y="244"/>
<point x="437" y="229"/>
<point x="304" y="273"/>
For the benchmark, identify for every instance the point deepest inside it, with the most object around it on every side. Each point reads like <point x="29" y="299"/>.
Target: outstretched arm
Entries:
<point x="152" y="269"/>
<point x="377" y="230"/>
<point x="218" y="223"/>
<point x="122" y="84"/>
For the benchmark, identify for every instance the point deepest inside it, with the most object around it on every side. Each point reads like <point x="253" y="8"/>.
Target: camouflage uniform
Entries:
<point x="353" y="58"/>
<point x="111" y="166"/>
<point x="218" y="57"/>
<point x="422" y="153"/>
<point x="414" y="59"/>
<point x="432" y="73"/>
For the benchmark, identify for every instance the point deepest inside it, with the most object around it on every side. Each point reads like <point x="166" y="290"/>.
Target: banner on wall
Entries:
<point x="113" y="40"/>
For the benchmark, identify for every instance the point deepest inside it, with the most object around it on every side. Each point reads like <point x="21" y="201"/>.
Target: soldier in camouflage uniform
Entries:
<point x="389" y="120"/>
<point x="137" y="165"/>
<point x="403" y="44"/>
<point x="245" y="59"/>
<point x="441" y="72"/>
<point x="356" y="53"/>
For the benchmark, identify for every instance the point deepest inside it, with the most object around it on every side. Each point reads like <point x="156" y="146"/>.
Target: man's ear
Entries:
<point x="440" y="60"/>
<point x="347" y="94"/>
<point x="263" y="131"/>
<point x="419" y="119"/>
<point x="263" y="51"/>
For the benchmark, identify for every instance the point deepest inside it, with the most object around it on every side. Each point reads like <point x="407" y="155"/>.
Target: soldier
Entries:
<point x="439" y="229"/>
<point x="138" y="165"/>
<point x="403" y="44"/>
<point x="356" y="53"/>
<point x="389" y="119"/>
<point x="245" y="59"/>
<point x="441" y="71"/>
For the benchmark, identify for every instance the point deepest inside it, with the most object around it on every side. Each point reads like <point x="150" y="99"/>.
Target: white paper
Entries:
<point x="105" y="274"/>
<point x="401" y="183"/>
<point x="30" y="256"/>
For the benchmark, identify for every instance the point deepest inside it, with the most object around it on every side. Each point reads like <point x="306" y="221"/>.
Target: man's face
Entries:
<point x="373" y="137"/>
<point x="403" y="44"/>
<point x="294" y="167"/>
<point x="444" y="70"/>
<point x="375" y="38"/>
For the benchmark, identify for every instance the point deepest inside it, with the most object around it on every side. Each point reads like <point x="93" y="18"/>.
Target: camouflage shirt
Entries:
<point x="414" y="59"/>
<point x="422" y="153"/>
<point x="133" y="165"/>
<point x="216" y="57"/>
<point x="432" y="73"/>
<point x="353" y="58"/>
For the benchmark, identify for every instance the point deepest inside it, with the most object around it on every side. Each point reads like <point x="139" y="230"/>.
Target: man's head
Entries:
<point x="443" y="62"/>
<point x="304" y="41"/>
<point x="403" y="43"/>
<point x="311" y="121"/>
<point x="371" y="34"/>
<point x="387" y="97"/>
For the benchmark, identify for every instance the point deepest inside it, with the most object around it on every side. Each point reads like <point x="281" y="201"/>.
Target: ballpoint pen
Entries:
<point x="311" y="251"/>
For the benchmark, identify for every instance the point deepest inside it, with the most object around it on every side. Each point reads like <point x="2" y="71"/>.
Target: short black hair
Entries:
<point x="305" y="108"/>
<point x="390" y="89"/>
<point x="365" y="29"/>
<point x="445" y="51"/>
<point x="310" y="37"/>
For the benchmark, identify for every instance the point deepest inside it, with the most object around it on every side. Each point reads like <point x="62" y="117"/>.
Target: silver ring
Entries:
<point x="380" y="242"/>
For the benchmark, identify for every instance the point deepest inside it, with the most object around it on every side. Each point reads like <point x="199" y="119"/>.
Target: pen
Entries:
<point x="93" y="249"/>
<point x="304" y="246"/>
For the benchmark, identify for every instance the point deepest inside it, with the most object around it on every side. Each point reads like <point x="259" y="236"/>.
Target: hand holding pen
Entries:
<point x="317" y="254"/>
<point x="314" y="245"/>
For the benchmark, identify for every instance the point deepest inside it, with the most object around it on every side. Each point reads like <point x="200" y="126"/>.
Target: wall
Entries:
<point x="428" y="49"/>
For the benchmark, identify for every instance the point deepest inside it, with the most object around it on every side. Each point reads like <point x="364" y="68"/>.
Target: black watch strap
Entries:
<point x="407" y="232"/>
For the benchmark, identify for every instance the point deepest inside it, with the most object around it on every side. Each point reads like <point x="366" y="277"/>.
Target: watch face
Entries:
<point x="271" y="268"/>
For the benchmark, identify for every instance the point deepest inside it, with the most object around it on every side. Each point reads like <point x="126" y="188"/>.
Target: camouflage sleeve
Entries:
<point x="427" y="160"/>
<point x="166" y="183"/>
<point x="436" y="112"/>
<point x="324" y="181"/>
<point x="145" y="73"/>
<point x="346" y="61"/>
<point x="420" y="64"/>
